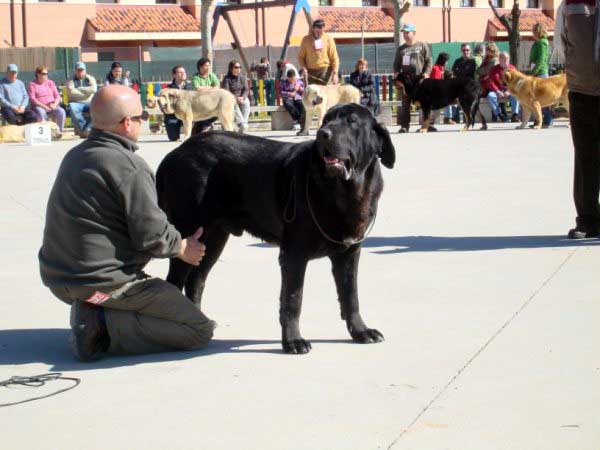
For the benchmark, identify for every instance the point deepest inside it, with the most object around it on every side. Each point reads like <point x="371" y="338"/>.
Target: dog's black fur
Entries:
<point x="230" y="183"/>
<point x="436" y="94"/>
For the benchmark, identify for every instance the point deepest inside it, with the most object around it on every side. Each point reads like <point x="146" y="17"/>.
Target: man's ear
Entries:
<point x="386" y="151"/>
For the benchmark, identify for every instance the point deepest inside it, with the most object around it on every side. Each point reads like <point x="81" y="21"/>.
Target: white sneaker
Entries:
<point x="244" y="128"/>
<point x="296" y="127"/>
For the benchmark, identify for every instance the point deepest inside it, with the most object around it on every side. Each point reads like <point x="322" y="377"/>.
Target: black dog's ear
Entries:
<point x="387" y="152"/>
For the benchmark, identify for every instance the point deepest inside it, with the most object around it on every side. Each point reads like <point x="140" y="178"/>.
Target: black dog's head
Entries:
<point x="350" y="139"/>
<point x="407" y="82"/>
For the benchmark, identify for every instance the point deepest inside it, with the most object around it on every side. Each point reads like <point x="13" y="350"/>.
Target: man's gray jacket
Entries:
<point x="103" y="223"/>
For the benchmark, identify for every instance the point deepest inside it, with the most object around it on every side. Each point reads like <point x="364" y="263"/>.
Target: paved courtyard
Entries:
<point x="491" y="319"/>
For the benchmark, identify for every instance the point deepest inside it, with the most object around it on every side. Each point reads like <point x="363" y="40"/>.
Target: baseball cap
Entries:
<point x="12" y="68"/>
<point x="319" y="23"/>
<point x="80" y="65"/>
<point x="409" y="27"/>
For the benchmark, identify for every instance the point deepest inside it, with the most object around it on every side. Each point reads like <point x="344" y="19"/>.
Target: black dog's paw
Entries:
<point x="368" y="336"/>
<point x="296" y="346"/>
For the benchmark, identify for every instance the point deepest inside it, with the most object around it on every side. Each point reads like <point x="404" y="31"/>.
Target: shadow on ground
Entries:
<point x="406" y="244"/>
<point x="50" y="346"/>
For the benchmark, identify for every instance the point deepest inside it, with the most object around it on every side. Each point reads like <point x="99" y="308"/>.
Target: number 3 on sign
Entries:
<point x="36" y="134"/>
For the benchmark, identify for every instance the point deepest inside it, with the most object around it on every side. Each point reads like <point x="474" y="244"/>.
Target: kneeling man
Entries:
<point x="103" y="225"/>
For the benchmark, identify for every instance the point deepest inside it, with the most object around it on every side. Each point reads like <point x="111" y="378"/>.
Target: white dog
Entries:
<point x="192" y="106"/>
<point x="319" y="99"/>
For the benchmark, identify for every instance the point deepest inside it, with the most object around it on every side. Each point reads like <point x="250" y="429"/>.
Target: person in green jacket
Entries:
<point x="538" y="63"/>
<point x="202" y="81"/>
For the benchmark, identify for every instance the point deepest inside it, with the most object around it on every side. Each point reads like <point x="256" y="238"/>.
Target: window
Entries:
<point x="106" y="1"/>
<point x="467" y="3"/>
<point x="325" y="2"/>
<point x="160" y="2"/>
<point x="498" y="3"/>
<point x="106" y="56"/>
<point x="421" y="2"/>
<point x="533" y="3"/>
<point x="369" y="2"/>
<point x="40" y="1"/>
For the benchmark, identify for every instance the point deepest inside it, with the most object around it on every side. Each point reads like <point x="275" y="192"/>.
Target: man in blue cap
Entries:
<point x="14" y="101"/>
<point x="80" y="90"/>
<point x="414" y="57"/>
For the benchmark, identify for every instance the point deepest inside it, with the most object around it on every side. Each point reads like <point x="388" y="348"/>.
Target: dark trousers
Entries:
<point x="584" y="111"/>
<point x="173" y="126"/>
<point x="11" y="117"/>
<point x="404" y="113"/>
<point x="294" y="107"/>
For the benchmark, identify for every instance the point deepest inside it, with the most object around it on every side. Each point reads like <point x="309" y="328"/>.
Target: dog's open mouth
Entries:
<point x="338" y="166"/>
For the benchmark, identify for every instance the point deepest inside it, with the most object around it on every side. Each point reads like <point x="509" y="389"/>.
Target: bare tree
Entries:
<point x="206" y="29"/>
<point x="401" y="7"/>
<point x="511" y="23"/>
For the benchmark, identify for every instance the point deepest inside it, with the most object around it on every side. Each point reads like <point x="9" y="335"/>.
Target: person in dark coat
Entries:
<point x="362" y="79"/>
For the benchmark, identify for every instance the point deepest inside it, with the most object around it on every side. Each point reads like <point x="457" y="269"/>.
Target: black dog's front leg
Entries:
<point x="293" y="269"/>
<point x="345" y="273"/>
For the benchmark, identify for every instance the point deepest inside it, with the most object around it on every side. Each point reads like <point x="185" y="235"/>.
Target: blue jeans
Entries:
<point x="79" y="122"/>
<point x="493" y="99"/>
<point x="547" y="118"/>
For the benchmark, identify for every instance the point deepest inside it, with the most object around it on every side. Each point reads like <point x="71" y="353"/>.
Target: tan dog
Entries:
<point x="319" y="99"/>
<point x="533" y="93"/>
<point x="192" y="106"/>
<point x="16" y="133"/>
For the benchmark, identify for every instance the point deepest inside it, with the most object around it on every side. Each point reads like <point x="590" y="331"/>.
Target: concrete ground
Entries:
<point x="490" y="317"/>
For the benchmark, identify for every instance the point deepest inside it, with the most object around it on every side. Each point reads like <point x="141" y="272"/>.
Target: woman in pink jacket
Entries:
<point x="44" y="98"/>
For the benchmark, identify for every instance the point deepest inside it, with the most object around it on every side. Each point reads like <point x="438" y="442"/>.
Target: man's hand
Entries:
<point x="192" y="251"/>
<point x="335" y="78"/>
<point x="240" y="100"/>
<point x="47" y="108"/>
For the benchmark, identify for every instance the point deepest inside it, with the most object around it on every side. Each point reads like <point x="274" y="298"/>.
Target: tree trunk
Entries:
<point x="205" y="29"/>
<point x="400" y="8"/>
<point x="511" y="23"/>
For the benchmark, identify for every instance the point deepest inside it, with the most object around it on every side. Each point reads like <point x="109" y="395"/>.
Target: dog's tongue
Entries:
<point x="331" y="160"/>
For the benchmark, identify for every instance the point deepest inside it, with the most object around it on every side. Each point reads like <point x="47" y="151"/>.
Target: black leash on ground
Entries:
<point x="37" y="381"/>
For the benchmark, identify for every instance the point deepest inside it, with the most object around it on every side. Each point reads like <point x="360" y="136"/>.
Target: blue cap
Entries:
<point x="80" y="65"/>
<point x="409" y="27"/>
<point x="12" y="68"/>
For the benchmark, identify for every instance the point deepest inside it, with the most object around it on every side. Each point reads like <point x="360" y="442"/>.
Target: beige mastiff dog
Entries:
<point x="192" y="106"/>
<point x="16" y="133"/>
<point x="318" y="99"/>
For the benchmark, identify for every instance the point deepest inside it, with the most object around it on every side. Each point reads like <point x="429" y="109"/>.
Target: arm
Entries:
<point x="24" y="95"/>
<point x="214" y="81"/>
<point x="150" y="231"/>
<point x="427" y="62"/>
<point x="302" y="53"/>
<point x="334" y="59"/>
<point x="55" y="93"/>
<point x="91" y="89"/>
<point x="4" y="101"/>
<point x="33" y="96"/>
<point x="244" y="81"/>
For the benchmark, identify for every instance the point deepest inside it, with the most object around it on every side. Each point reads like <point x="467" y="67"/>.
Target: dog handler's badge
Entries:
<point x="97" y="298"/>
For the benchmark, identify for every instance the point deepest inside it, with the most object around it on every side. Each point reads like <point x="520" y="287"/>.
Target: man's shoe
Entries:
<point x="244" y="128"/>
<point x="449" y="122"/>
<point x="296" y="127"/>
<point x="431" y="129"/>
<point x="89" y="337"/>
<point x="402" y="130"/>
<point x="579" y="233"/>
<point x="514" y="118"/>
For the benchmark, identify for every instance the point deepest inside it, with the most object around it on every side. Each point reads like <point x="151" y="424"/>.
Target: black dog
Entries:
<point x="436" y="94"/>
<point x="313" y="199"/>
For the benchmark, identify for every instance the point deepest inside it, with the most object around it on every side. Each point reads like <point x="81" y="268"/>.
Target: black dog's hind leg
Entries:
<point x="293" y="269"/>
<point x="215" y="240"/>
<point x="345" y="273"/>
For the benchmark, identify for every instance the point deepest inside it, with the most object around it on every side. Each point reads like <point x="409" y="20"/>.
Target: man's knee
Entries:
<point x="202" y="334"/>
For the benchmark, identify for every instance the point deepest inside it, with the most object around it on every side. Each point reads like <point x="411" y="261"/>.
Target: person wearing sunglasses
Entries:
<point x="463" y="67"/>
<point x="237" y="84"/>
<point x="45" y="99"/>
<point x="103" y="225"/>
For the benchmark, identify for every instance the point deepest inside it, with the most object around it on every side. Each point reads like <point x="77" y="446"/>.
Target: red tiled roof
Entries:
<point x="529" y="17"/>
<point x="143" y="19"/>
<point x="349" y="20"/>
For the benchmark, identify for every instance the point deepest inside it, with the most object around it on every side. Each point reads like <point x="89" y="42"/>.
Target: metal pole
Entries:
<point x="376" y="59"/>
<point x="140" y="56"/>
<point x="362" y="35"/>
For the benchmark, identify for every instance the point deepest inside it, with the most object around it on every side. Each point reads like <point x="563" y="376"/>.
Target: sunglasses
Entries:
<point x="466" y="50"/>
<point x="237" y="67"/>
<point x="43" y="73"/>
<point x="143" y="116"/>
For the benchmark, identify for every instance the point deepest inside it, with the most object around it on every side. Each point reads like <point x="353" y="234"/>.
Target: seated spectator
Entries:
<point x="261" y="69"/>
<point x="204" y="79"/>
<point x="115" y="76"/>
<point x="80" y="90"/>
<point x="14" y="101"/>
<point x="283" y="67"/>
<point x="437" y="73"/>
<point x="45" y="99"/>
<point x="362" y="79"/>
<point x="172" y="123"/>
<point x="291" y="90"/>
<point x="237" y="84"/>
<point x="498" y="92"/>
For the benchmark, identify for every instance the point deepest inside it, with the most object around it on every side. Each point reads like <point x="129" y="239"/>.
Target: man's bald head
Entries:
<point x="112" y="104"/>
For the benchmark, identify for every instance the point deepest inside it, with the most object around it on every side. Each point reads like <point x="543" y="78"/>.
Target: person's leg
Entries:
<point x="514" y="104"/>
<point x="300" y="108"/>
<point x="10" y="116"/>
<point x="585" y="131"/>
<point x="152" y="315"/>
<point x="290" y="107"/>
<point x="173" y="126"/>
<point x="245" y="110"/>
<point x="76" y="110"/>
<point x="547" y="118"/>
<point x="88" y="117"/>
<point x="239" y="118"/>
<point x="29" y="117"/>
<point x="59" y="115"/>
<point x="456" y="113"/>
<point x="405" y="114"/>
<point x="40" y="113"/>
<point x="493" y="101"/>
